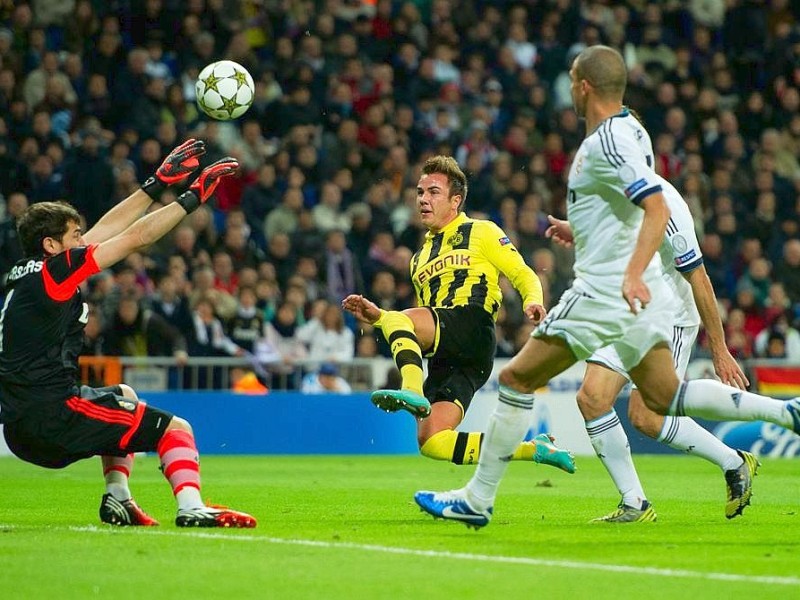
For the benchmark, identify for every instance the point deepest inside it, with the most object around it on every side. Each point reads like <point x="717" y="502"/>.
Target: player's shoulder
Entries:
<point x="678" y="208"/>
<point x="485" y="228"/>
<point x="480" y="223"/>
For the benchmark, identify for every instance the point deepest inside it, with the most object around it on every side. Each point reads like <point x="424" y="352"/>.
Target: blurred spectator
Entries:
<point x="787" y="270"/>
<point x="135" y="331"/>
<point x="342" y="270"/>
<point x="328" y="214"/>
<point x="225" y="276"/>
<point x="283" y="219"/>
<point x="223" y="302"/>
<point x="258" y="200"/>
<point x="757" y="280"/>
<point x="327" y="337"/>
<point x="10" y="248"/>
<point x="172" y="305"/>
<point x="89" y="180"/>
<point x="282" y="348"/>
<point x="779" y="339"/>
<point x="37" y="80"/>
<point x="325" y="381"/>
<point x="246" y="328"/>
<point x="208" y="336"/>
<point x="739" y="339"/>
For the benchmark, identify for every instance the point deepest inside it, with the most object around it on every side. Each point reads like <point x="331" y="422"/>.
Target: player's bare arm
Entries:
<point x="651" y="234"/>
<point x="560" y="232"/>
<point x="725" y="366"/>
<point x="361" y="308"/>
<point x="177" y="167"/>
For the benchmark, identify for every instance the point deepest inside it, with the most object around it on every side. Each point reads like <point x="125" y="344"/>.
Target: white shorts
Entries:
<point x="588" y="321"/>
<point x="683" y="339"/>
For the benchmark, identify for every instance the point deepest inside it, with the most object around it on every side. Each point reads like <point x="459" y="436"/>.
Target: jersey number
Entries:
<point x="572" y="196"/>
<point x="3" y="317"/>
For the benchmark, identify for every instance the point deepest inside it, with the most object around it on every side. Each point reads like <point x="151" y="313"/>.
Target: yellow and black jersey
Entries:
<point x="461" y="265"/>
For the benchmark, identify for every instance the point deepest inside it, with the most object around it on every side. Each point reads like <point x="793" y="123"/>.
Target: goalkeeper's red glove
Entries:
<point x="177" y="167"/>
<point x="202" y="187"/>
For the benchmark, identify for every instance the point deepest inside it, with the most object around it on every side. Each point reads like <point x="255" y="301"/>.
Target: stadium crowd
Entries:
<point x="351" y="97"/>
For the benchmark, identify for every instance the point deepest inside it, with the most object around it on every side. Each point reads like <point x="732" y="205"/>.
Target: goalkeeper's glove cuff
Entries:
<point x="153" y="187"/>
<point x="189" y="201"/>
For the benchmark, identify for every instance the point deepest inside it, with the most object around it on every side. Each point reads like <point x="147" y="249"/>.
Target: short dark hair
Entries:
<point x="447" y="165"/>
<point x="604" y="68"/>
<point x="44" y="220"/>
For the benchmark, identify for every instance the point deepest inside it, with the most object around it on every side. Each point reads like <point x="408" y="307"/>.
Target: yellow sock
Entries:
<point x="398" y="329"/>
<point x="459" y="447"/>
<point x="524" y="451"/>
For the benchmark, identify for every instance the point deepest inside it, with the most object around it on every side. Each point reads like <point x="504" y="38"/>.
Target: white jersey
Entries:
<point x="611" y="173"/>
<point x="680" y="253"/>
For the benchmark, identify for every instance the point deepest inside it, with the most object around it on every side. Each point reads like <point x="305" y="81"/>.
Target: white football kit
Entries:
<point x="680" y="253"/>
<point x="609" y="176"/>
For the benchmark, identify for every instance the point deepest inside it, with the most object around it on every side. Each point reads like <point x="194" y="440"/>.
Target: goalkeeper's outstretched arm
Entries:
<point x="176" y="168"/>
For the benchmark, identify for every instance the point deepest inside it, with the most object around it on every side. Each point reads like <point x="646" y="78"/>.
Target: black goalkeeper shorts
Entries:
<point x="96" y="421"/>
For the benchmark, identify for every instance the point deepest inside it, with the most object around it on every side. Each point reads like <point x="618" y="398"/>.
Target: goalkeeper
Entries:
<point x="51" y="420"/>
<point x="455" y="275"/>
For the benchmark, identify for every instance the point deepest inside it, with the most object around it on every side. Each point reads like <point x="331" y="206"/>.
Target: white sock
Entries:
<point x="711" y="399"/>
<point x="116" y="471"/>
<point x="507" y="427"/>
<point x="188" y="497"/>
<point x="117" y="486"/>
<point x="682" y="433"/>
<point x="610" y="443"/>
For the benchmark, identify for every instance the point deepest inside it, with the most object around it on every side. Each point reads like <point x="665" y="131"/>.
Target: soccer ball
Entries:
<point x="225" y="90"/>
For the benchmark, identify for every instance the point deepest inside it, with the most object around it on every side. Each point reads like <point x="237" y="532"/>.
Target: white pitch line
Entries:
<point x="489" y="558"/>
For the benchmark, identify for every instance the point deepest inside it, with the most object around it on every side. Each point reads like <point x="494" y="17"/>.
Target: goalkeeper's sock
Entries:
<point x="398" y="329"/>
<point x="117" y="471"/>
<point x="684" y="435"/>
<point x="180" y="464"/>
<point x="459" y="447"/>
<point x="507" y="426"/>
<point x="611" y="445"/>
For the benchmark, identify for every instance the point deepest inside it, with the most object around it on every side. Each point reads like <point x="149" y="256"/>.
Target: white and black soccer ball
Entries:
<point x="225" y="90"/>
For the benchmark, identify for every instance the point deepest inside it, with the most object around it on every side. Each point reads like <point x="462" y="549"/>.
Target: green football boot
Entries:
<point x="394" y="400"/>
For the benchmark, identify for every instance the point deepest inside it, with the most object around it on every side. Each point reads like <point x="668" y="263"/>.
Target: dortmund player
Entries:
<point x="455" y="275"/>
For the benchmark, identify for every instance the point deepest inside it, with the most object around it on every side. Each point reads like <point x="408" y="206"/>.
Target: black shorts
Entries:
<point x="97" y="421"/>
<point x="463" y="354"/>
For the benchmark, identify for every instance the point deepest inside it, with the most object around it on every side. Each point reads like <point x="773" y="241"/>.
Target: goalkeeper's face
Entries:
<point x="73" y="238"/>
<point x="437" y="207"/>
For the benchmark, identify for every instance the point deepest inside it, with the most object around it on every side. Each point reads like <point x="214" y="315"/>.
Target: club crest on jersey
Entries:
<point x="456" y="239"/>
<point x="626" y="174"/>
<point x="126" y="405"/>
<point x="635" y="187"/>
<point x="679" y="243"/>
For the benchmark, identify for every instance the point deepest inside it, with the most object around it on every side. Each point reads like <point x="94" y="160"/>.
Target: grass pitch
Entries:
<point x="347" y="527"/>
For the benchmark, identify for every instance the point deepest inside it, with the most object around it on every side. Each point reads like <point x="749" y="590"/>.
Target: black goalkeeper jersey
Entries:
<point x="41" y="330"/>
